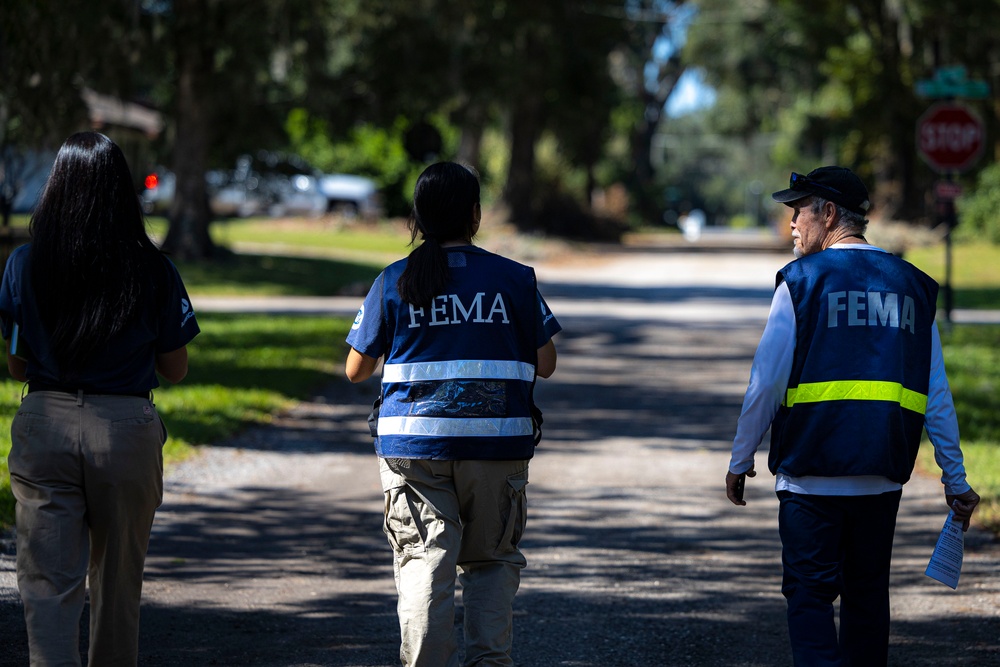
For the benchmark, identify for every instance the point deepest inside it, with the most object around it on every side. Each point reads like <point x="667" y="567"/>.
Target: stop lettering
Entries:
<point x="950" y="137"/>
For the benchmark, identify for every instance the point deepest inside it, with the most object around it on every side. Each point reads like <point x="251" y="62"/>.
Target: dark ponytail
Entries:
<point x="444" y="201"/>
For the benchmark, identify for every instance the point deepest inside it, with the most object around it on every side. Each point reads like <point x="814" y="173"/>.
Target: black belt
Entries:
<point x="43" y="386"/>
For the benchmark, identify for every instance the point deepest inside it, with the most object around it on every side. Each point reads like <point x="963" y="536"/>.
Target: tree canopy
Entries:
<point x="835" y="80"/>
<point x="552" y="101"/>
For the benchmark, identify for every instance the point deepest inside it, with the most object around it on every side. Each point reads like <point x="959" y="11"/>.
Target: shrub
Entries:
<point x="979" y="210"/>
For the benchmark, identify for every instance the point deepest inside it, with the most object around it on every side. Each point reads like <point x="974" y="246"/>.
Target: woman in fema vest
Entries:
<point x="464" y="333"/>
<point x="91" y="311"/>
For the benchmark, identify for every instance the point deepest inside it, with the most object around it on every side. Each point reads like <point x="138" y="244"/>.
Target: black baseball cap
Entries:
<point x="837" y="184"/>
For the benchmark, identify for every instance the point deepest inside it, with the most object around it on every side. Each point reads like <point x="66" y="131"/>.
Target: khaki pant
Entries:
<point x="87" y="473"/>
<point x="446" y="515"/>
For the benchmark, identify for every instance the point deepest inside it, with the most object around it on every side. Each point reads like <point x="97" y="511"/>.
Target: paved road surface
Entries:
<point x="268" y="549"/>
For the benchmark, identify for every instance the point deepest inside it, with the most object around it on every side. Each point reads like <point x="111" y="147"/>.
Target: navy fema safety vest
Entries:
<point x="857" y="393"/>
<point x="458" y="375"/>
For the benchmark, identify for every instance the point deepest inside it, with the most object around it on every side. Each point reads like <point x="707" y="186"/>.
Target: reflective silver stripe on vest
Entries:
<point x="434" y="426"/>
<point x="457" y="370"/>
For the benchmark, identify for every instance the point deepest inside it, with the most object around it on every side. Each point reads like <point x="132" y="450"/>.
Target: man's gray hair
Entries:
<point x="845" y="218"/>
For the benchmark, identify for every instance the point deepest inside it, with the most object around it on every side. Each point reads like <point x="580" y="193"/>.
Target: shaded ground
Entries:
<point x="268" y="550"/>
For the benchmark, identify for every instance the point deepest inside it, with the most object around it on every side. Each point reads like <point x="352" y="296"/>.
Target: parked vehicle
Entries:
<point x="295" y="180"/>
<point x="238" y="193"/>
<point x="28" y="179"/>
<point x="351" y="195"/>
<point x="273" y="183"/>
<point x="292" y="184"/>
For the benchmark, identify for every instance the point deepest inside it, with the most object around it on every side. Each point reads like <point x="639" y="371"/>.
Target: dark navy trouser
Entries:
<point x="837" y="546"/>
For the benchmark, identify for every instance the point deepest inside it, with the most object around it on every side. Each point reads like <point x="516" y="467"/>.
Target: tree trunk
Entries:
<point x="524" y="130"/>
<point x="649" y="201"/>
<point x="642" y="161"/>
<point x="525" y="114"/>
<point x="591" y="185"/>
<point x="471" y="140"/>
<point x="188" y="237"/>
<point x="898" y="163"/>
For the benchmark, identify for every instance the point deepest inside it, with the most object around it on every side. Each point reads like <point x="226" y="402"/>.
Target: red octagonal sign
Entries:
<point x="950" y="137"/>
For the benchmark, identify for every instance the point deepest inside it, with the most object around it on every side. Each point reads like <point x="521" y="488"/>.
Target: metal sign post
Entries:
<point x="945" y="193"/>
<point x="950" y="139"/>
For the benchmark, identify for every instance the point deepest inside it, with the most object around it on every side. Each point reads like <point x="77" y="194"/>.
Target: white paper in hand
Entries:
<point x="946" y="561"/>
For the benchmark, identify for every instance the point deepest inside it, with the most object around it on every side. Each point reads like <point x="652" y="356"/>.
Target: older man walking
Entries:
<point x="848" y="373"/>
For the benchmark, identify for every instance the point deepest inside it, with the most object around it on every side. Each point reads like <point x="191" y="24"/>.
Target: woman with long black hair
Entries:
<point x="91" y="312"/>
<point x="464" y="333"/>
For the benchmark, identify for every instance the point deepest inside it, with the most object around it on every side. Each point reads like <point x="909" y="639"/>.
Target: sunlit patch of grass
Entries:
<point x="975" y="277"/>
<point x="270" y="275"/>
<point x="972" y="358"/>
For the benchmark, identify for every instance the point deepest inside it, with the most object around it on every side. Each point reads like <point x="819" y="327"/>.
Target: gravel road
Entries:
<point x="268" y="549"/>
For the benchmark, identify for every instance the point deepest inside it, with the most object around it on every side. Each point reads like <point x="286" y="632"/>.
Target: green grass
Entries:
<point x="378" y="243"/>
<point x="975" y="276"/>
<point x="292" y="257"/>
<point x="314" y="234"/>
<point x="289" y="257"/>
<point x="325" y="236"/>
<point x="277" y="275"/>
<point x="972" y="358"/>
<point x="244" y="369"/>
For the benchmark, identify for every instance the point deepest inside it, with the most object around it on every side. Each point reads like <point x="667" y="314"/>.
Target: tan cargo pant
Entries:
<point x="443" y="516"/>
<point x="87" y="473"/>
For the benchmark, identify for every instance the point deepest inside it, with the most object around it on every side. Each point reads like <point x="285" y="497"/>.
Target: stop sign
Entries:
<point x="950" y="137"/>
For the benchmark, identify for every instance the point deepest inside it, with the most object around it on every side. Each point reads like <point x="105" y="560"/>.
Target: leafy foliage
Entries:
<point x="369" y="150"/>
<point x="980" y="208"/>
<point x="972" y="355"/>
<point x="833" y="81"/>
<point x="342" y="81"/>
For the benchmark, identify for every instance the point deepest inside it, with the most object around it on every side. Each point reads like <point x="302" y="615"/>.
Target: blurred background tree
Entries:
<point x="566" y="108"/>
<point x="50" y="52"/>
<point x="834" y="81"/>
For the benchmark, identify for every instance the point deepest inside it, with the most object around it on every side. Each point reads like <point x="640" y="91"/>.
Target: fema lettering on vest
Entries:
<point x="858" y="309"/>
<point x="449" y="309"/>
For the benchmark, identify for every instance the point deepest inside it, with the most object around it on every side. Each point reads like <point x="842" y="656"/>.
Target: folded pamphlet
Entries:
<point x="946" y="561"/>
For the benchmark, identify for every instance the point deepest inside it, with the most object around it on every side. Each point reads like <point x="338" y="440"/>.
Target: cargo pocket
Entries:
<point x="515" y="516"/>
<point x="401" y="524"/>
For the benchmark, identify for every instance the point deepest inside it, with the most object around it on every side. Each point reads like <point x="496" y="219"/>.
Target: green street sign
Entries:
<point x="952" y="82"/>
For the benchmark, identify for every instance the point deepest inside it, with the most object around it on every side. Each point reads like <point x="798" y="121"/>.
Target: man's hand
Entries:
<point x="964" y="505"/>
<point x="734" y="486"/>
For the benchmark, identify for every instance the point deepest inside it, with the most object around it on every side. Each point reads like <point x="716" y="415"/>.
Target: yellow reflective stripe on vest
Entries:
<point x="857" y="390"/>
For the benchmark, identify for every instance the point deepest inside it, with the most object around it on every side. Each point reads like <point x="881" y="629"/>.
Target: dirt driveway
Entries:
<point x="268" y="549"/>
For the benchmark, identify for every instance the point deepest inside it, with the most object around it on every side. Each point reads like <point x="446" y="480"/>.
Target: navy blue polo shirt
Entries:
<point x="165" y="322"/>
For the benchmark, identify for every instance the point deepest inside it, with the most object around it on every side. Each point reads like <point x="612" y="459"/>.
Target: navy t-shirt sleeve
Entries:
<point x="548" y="326"/>
<point x="367" y="334"/>
<point x="178" y="325"/>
